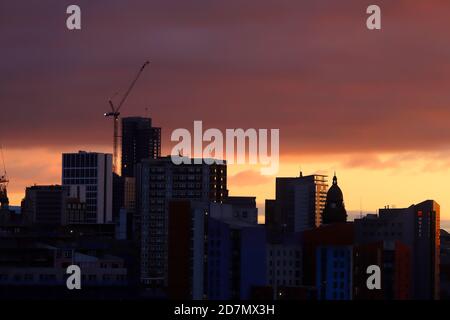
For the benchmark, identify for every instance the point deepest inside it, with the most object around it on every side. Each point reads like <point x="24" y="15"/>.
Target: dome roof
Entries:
<point x="334" y="194"/>
<point x="334" y="211"/>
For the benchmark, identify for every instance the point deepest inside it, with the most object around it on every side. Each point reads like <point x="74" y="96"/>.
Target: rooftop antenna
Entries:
<point x="360" y="207"/>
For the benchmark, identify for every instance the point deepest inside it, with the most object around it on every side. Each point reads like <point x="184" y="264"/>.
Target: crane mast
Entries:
<point x="115" y="113"/>
<point x="4" y="201"/>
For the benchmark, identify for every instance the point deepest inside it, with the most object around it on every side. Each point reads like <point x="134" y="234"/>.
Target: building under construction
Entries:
<point x="4" y="201"/>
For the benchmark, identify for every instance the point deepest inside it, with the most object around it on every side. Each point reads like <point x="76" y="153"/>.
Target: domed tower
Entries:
<point x="334" y="211"/>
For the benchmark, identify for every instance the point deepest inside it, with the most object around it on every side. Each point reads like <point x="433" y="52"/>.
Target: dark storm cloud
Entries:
<point x="310" y="68"/>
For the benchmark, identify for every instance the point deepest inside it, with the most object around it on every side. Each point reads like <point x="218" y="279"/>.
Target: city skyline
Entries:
<point x="224" y="158"/>
<point x="368" y="106"/>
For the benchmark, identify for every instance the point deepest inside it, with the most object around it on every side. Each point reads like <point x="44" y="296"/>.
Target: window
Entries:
<point x="67" y="253"/>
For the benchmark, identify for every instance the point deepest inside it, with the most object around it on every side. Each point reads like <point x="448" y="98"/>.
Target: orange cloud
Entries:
<point x="249" y="178"/>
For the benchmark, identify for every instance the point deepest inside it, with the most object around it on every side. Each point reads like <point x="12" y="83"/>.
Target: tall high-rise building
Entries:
<point x="393" y="258"/>
<point x="213" y="254"/>
<point x="299" y="203"/>
<point x="139" y="141"/>
<point x="236" y="254"/>
<point x="187" y="249"/>
<point x="334" y="272"/>
<point x="418" y="227"/>
<point x="93" y="171"/>
<point x="284" y="265"/>
<point x="159" y="181"/>
<point x="319" y="246"/>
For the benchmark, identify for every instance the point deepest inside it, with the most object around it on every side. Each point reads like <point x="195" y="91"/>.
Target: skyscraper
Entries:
<point x="94" y="171"/>
<point x="236" y="254"/>
<point x="139" y="141"/>
<point x="159" y="181"/>
<point x="394" y="260"/>
<point x="299" y="203"/>
<point x="187" y="249"/>
<point x="418" y="228"/>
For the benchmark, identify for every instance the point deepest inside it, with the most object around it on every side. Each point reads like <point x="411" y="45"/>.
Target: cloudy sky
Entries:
<point x="372" y="105"/>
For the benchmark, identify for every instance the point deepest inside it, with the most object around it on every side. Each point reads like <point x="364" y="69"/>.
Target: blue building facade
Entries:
<point x="334" y="272"/>
<point x="253" y="270"/>
<point x="236" y="259"/>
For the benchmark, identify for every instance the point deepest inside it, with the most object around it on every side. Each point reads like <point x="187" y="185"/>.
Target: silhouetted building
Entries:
<point x="334" y="272"/>
<point x="394" y="260"/>
<point x="139" y="141"/>
<point x="187" y="249"/>
<point x="329" y="236"/>
<point x="94" y="171"/>
<point x="334" y="211"/>
<point x="269" y="216"/>
<point x="445" y="265"/>
<point x="298" y="205"/>
<point x="13" y="224"/>
<point x="157" y="182"/>
<point x="118" y="196"/>
<point x="417" y="227"/>
<point x="129" y="205"/>
<point x="236" y="210"/>
<point x="297" y="293"/>
<point x="212" y="254"/>
<point x="76" y="210"/>
<point x="244" y="208"/>
<point x="45" y="205"/>
<point x="40" y="265"/>
<point x="236" y="258"/>
<point x="284" y="265"/>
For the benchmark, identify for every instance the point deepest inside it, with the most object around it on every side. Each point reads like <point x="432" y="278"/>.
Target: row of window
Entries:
<point x="27" y="277"/>
<point x="76" y="206"/>
<point x="285" y="263"/>
<point x="381" y="224"/>
<point x="284" y="273"/>
<point x="52" y="277"/>
<point x="285" y="283"/>
<point x="79" y="160"/>
<point x="75" y="181"/>
<point x="284" y="253"/>
<point x="372" y="234"/>
<point x="80" y="173"/>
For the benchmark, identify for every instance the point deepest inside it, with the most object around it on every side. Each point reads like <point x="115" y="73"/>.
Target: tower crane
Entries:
<point x="114" y="114"/>
<point x="4" y="202"/>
